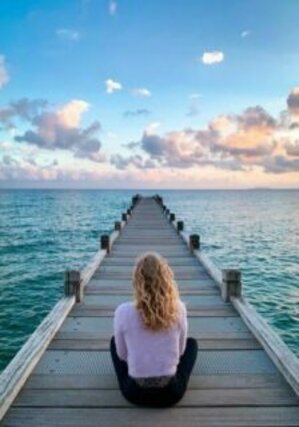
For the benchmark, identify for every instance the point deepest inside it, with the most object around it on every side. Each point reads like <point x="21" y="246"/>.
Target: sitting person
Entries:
<point x="152" y="356"/>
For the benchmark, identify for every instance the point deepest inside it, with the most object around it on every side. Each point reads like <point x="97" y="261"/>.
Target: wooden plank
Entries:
<point x="44" y="381"/>
<point x="85" y="343"/>
<point x="126" y="270"/>
<point x="198" y="326"/>
<point x="208" y="362"/>
<point x="192" y="302"/>
<point x="116" y="290"/>
<point x="84" y="310"/>
<point x="172" y="417"/>
<point x="127" y="283"/>
<point x="192" y="398"/>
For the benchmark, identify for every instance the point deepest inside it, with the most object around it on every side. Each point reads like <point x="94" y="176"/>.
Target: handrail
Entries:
<point x="20" y="367"/>
<point x="18" y="370"/>
<point x="281" y="355"/>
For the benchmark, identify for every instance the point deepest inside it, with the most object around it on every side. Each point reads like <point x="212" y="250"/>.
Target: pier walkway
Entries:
<point x="234" y="382"/>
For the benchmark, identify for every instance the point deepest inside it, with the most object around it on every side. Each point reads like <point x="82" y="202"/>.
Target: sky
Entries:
<point x="149" y="94"/>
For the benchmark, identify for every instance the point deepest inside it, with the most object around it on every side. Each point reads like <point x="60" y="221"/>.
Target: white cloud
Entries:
<point x="141" y="92"/>
<point x="112" y="86"/>
<point x="195" y="95"/>
<point x="152" y="127"/>
<point x="68" y="34"/>
<point x="112" y="7"/>
<point x="4" y="77"/>
<point x="212" y="57"/>
<point x="70" y="114"/>
<point x="245" y="33"/>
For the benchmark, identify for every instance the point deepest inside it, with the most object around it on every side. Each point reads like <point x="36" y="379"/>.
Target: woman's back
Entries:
<point x="149" y="353"/>
<point x="152" y="356"/>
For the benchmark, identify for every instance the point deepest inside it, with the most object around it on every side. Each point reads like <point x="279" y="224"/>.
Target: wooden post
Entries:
<point x="124" y="217"/>
<point x="171" y="217"/>
<point x="194" y="242"/>
<point x="180" y="226"/>
<point x="129" y="212"/>
<point x="135" y="199"/>
<point x="73" y="284"/>
<point x="117" y="226"/>
<point x="105" y="242"/>
<point x="231" y="284"/>
<point x="167" y="211"/>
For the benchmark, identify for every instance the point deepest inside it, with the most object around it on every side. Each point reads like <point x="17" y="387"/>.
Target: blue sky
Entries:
<point x="66" y="50"/>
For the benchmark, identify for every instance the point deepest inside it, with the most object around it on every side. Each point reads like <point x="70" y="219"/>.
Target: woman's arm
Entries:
<point x="183" y="329"/>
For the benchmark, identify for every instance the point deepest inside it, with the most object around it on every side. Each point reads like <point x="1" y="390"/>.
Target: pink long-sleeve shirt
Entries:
<point x="148" y="353"/>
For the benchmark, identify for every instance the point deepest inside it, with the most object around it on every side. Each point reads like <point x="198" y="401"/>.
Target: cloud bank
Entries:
<point x="236" y="142"/>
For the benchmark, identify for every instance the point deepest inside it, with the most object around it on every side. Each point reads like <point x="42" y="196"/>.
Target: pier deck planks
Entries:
<point x="234" y="382"/>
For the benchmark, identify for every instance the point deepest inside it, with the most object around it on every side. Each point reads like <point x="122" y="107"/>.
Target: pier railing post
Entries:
<point x="105" y="242"/>
<point x="231" y="284"/>
<point x="171" y="217"/>
<point x="124" y="217"/>
<point x="117" y="226"/>
<point x="180" y="226"/>
<point x="136" y="199"/>
<point x="73" y="284"/>
<point x="194" y="242"/>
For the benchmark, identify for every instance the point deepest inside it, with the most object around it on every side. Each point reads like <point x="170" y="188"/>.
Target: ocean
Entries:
<point x="43" y="232"/>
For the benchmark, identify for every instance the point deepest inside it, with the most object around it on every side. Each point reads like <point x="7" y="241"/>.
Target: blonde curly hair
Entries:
<point x="155" y="291"/>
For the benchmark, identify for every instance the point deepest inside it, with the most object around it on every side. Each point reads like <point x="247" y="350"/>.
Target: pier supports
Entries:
<point x="231" y="284"/>
<point x="171" y="217"/>
<point x="180" y="226"/>
<point x="124" y="217"/>
<point x="117" y="226"/>
<point x="105" y="242"/>
<point x="135" y="199"/>
<point x="194" y="242"/>
<point x="73" y="284"/>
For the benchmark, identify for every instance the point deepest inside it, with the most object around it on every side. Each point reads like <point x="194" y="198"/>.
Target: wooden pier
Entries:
<point x="63" y="376"/>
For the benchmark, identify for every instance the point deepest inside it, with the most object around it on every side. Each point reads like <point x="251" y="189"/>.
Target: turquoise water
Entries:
<point x="43" y="232"/>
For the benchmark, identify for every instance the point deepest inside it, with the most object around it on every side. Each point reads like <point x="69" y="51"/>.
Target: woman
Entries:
<point x="152" y="356"/>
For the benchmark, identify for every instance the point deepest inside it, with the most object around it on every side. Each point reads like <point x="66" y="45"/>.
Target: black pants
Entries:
<point x="156" y="396"/>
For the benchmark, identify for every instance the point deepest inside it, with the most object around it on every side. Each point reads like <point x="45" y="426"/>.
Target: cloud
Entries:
<point x="293" y="102"/>
<point x="141" y="92"/>
<point x="68" y="34"/>
<point x="137" y="113"/>
<point x="112" y="86"/>
<point x="212" y="57"/>
<point x="23" y="109"/>
<point x="292" y="149"/>
<point x="112" y="7"/>
<point x="252" y="139"/>
<point x="245" y="33"/>
<point x="4" y="77"/>
<point x="194" y="96"/>
<point x="152" y="127"/>
<point x="122" y="162"/>
<point x="193" y="110"/>
<point x="281" y="164"/>
<point x="60" y="129"/>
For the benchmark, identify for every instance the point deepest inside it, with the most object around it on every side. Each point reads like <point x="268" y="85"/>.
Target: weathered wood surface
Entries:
<point x="234" y="382"/>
